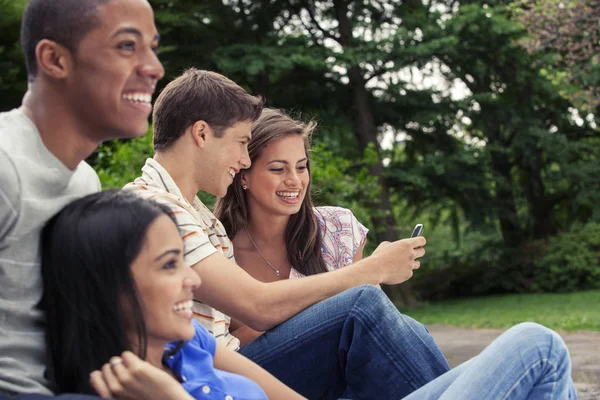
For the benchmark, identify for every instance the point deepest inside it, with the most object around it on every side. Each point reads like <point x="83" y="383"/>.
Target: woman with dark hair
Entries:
<point x="119" y="309"/>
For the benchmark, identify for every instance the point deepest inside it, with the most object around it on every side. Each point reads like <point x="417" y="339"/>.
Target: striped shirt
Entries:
<point x="202" y="233"/>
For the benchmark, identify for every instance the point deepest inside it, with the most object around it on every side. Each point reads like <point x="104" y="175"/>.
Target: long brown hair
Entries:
<point x="302" y="234"/>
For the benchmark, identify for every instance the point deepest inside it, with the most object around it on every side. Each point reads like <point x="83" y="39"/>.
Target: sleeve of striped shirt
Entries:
<point x="196" y="243"/>
<point x="10" y="193"/>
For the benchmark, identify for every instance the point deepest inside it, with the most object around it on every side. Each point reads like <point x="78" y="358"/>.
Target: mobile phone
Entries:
<point x="417" y="231"/>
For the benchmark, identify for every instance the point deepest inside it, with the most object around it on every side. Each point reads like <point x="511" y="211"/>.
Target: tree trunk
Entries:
<point x="366" y="132"/>
<point x="540" y="205"/>
<point x="512" y="233"/>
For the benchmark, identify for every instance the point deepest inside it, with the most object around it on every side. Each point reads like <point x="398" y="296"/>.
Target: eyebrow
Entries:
<point x="134" y="31"/>
<point x="285" y="162"/>
<point x="175" y="252"/>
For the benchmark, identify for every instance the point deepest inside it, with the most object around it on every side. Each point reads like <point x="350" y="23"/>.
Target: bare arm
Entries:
<point x="261" y="306"/>
<point x="230" y="361"/>
<point x="244" y="333"/>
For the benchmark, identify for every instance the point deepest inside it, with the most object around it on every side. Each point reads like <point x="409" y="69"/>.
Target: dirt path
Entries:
<point x="460" y="344"/>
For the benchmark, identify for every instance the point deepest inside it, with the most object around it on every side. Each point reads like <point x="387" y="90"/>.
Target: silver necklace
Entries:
<point x="261" y="254"/>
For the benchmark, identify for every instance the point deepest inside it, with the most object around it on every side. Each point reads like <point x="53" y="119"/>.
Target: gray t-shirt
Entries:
<point x="34" y="185"/>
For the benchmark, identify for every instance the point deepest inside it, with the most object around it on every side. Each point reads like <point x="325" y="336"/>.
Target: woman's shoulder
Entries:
<point x="332" y="212"/>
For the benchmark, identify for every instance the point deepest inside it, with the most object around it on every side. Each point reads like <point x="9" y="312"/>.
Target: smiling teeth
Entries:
<point x="138" y="97"/>
<point x="232" y="173"/>
<point x="287" y="194"/>
<point x="184" y="305"/>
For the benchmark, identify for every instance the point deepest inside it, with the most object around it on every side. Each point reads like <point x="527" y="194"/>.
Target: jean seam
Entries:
<point x="376" y="338"/>
<point x="545" y="359"/>
<point x="277" y="350"/>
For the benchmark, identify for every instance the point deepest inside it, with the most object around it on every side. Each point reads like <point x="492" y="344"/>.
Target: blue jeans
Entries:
<point x="356" y="341"/>
<point x="528" y="361"/>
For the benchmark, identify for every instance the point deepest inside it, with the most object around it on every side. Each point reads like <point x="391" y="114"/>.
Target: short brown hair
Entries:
<point x="201" y="95"/>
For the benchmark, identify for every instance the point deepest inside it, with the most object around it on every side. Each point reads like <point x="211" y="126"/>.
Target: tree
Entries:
<point x="13" y="77"/>
<point x="506" y="153"/>
<point x="569" y="29"/>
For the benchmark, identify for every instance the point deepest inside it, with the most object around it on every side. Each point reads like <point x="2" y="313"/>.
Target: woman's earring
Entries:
<point x="245" y="187"/>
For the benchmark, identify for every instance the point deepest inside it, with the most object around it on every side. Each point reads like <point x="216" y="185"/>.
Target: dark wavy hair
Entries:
<point x="87" y="250"/>
<point x="302" y="234"/>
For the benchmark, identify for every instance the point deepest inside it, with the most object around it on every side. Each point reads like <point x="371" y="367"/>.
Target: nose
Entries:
<point x="245" y="161"/>
<point x="292" y="178"/>
<point x="192" y="280"/>
<point x="151" y="68"/>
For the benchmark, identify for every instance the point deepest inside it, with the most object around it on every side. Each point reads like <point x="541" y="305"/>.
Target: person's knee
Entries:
<point x="536" y="336"/>
<point x="371" y="296"/>
<point x="532" y="330"/>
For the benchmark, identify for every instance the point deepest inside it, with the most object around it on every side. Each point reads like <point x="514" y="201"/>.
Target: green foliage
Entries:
<point x="120" y="162"/>
<point x="337" y="181"/>
<point x="13" y="77"/>
<point x="494" y="172"/>
<point x="570" y="261"/>
<point x="567" y="262"/>
<point x="564" y="311"/>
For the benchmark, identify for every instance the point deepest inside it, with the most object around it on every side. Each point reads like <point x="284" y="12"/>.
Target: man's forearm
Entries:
<point x="261" y="306"/>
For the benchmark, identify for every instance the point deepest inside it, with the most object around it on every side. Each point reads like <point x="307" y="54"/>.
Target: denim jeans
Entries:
<point x="356" y="341"/>
<point x="528" y="361"/>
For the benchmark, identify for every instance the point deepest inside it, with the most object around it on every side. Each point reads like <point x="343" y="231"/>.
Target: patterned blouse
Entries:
<point x="342" y="236"/>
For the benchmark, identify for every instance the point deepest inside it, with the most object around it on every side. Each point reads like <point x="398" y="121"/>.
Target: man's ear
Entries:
<point x="53" y="59"/>
<point x="201" y="132"/>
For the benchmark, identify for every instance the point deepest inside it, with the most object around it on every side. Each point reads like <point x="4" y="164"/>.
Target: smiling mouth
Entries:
<point x="288" y="195"/>
<point x="184" y="308"/>
<point x="138" y="98"/>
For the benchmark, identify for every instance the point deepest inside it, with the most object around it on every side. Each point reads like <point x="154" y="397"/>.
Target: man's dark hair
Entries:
<point x="201" y="95"/>
<point x="63" y="21"/>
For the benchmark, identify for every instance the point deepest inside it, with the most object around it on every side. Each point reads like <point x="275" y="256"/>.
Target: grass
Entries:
<point x="558" y="311"/>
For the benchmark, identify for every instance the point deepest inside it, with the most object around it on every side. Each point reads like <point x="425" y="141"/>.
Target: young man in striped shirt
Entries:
<point x="325" y="333"/>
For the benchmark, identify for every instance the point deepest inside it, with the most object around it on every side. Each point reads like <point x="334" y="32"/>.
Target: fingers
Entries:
<point x="97" y="382"/>
<point x="133" y="365"/>
<point x="418" y="241"/>
<point x="117" y="376"/>
<point x="110" y="379"/>
<point x="130" y="360"/>
<point x="122" y="368"/>
<point x="419" y="252"/>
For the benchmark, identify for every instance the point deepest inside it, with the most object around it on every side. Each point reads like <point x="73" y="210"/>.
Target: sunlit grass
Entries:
<point x="559" y="311"/>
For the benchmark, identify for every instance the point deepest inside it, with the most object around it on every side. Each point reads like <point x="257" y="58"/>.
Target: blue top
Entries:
<point x="193" y="365"/>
